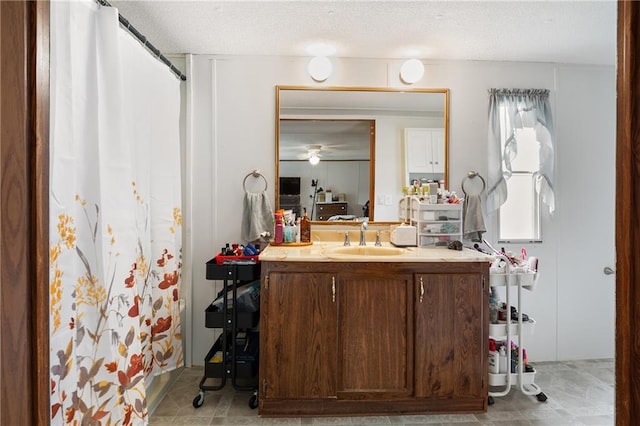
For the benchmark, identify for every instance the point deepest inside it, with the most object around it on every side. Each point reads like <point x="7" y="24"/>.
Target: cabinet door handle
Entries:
<point x="333" y="289"/>
<point x="421" y="290"/>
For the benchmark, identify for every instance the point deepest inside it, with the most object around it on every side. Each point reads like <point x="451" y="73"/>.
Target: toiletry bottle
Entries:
<point x="493" y="307"/>
<point x="502" y="359"/>
<point x="433" y="192"/>
<point x="514" y="357"/>
<point x="494" y="360"/>
<point x="305" y="228"/>
<point x="279" y="231"/>
<point x="297" y="230"/>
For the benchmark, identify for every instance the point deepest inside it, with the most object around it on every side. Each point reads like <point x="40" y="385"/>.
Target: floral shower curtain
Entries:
<point x="115" y="244"/>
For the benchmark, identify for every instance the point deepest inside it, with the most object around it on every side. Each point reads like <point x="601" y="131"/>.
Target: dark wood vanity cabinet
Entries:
<point x="298" y="359"/>
<point x="374" y="348"/>
<point x="372" y="338"/>
<point x="451" y="337"/>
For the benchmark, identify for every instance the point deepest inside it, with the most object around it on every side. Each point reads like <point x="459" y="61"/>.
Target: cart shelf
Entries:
<point x="500" y="329"/>
<point x="500" y="379"/>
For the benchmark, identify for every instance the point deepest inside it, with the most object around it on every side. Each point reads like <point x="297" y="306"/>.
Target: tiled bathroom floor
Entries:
<point x="579" y="393"/>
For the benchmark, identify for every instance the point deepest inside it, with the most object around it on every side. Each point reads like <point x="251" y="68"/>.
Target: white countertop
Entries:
<point x="322" y="251"/>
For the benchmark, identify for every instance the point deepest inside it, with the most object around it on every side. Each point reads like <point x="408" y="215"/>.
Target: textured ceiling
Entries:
<point x="579" y="32"/>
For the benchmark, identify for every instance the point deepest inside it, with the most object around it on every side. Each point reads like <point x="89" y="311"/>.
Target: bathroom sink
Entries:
<point x="368" y="251"/>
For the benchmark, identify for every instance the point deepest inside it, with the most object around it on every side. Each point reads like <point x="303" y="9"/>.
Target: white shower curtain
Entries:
<point x="115" y="233"/>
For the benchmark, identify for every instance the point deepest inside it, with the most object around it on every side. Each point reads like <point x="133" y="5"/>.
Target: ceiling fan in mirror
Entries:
<point x="312" y="154"/>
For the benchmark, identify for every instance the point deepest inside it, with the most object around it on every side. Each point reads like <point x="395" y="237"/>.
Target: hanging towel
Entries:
<point x="257" y="216"/>
<point x="473" y="221"/>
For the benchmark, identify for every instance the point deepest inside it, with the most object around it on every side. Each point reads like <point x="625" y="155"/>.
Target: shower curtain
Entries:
<point x="115" y="219"/>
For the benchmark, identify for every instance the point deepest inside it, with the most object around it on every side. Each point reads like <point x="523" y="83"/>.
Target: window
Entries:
<point x="519" y="216"/>
<point x="521" y="162"/>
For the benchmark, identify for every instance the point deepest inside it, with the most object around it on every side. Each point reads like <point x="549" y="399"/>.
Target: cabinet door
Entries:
<point x="418" y="151"/>
<point x="375" y="355"/>
<point x="424" y="151"/>
<point x="450" y="343"/>
<point x="298" y="349"/>
<point x="437" y="150"/>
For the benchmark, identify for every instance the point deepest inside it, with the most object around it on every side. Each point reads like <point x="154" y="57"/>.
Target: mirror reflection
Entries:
<point x="332" y="142"/>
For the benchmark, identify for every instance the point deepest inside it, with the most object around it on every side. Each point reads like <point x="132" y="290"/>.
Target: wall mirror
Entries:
<point x="327" y="139"/>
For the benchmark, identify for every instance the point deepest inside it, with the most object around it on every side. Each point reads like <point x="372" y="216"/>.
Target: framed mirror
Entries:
<point x="332" y="143"/>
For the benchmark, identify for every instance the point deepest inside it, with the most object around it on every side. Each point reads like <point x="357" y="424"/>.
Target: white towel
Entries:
<point x="257" y="216"/>
<point x="473" y="222"/>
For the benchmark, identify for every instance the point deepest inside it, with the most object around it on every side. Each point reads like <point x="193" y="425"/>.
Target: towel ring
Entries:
<point x="472" y="175"/>
<point x="256" y="174"/>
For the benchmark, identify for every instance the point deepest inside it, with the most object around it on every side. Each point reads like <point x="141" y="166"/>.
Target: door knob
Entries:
<point x="608" y="271"/>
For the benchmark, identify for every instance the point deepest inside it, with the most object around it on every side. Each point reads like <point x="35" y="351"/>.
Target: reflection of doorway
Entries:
<point x="345" y="150"/>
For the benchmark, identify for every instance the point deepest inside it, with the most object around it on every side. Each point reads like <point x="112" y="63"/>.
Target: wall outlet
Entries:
<point x="388" y="200"/>
<point x="380" y="200"/>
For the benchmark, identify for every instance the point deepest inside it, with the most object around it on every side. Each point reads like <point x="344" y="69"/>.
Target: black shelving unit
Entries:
<point x="238" y="341"/>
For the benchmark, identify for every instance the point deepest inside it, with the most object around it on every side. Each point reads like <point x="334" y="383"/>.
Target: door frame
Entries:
<point x="24" y="207"/>
<point x="627" y="363"/>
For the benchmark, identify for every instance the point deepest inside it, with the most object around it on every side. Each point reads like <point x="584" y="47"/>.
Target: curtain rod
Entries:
<point x="146" y="43"/>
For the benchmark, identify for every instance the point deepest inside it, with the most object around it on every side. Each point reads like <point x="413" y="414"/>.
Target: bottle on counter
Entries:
<point x="305" y="228"/>
<point x="279" y="231"/>
<point x="433" y="192"/>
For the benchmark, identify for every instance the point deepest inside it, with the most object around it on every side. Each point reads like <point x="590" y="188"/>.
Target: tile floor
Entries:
<point x="579" y="393"/>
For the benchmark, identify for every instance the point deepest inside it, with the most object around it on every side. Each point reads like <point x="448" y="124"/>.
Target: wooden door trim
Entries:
<point x="627" y="227"/>
<point x="39" y="215"/>
<point x="24" y="236"/>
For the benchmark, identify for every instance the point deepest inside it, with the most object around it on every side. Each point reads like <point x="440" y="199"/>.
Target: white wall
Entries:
<point x="231" y="131"/>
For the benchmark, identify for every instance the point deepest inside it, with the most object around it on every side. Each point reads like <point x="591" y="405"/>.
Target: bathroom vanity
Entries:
<point x="373" y="330"/>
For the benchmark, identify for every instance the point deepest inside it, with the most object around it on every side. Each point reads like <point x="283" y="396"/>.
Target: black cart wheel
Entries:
<point x="253" y="401"/>
<point x="198" y="400"/>
<point x="490" y="400"/>
<point x="541" y="397"/>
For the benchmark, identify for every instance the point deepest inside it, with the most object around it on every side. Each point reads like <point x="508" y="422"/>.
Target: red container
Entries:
<point x="220" y="259"/>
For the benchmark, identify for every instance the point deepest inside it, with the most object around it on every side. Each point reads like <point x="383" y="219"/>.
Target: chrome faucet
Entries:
<point x="363" y="228"/>
<point x="378" y="243"/>
<point x="346" y="239"/>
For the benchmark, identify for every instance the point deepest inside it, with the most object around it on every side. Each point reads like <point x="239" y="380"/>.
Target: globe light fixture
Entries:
<point x="411" y="71"/>
<point x="320" y="68"/>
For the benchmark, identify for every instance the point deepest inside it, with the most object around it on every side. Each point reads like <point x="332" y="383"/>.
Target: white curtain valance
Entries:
<point x="523" y="108"/>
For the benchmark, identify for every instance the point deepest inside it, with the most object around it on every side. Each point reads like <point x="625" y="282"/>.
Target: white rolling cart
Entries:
<point x="513" y="279"/>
